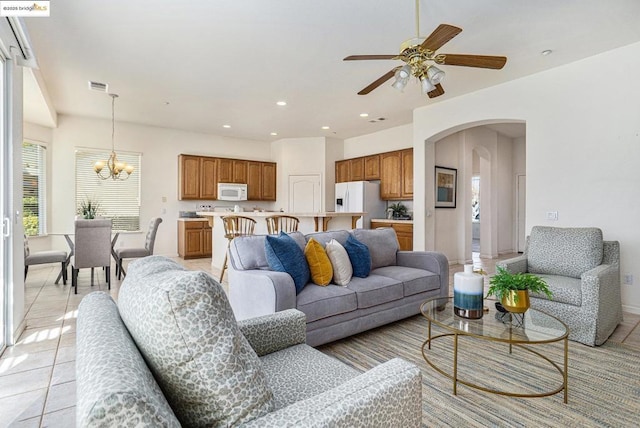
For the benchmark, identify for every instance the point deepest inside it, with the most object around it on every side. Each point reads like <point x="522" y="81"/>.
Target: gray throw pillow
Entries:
<point x="382" y="244"/>
<point x="184" y="327"/>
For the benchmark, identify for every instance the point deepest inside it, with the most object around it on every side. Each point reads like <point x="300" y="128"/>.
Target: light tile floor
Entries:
<point x="37" y="375"/>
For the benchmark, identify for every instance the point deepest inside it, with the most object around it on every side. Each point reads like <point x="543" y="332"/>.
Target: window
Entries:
<point x="116" y="199"/>
<point x="475" y="198"/>
<point x="34" y="188"/>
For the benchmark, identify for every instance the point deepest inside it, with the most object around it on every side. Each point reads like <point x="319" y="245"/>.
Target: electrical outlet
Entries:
<point x="552" y="215"/>
<point x="628" y="279"/>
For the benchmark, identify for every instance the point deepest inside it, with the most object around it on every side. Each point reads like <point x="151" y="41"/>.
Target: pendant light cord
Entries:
<point x="417" y="19"/>
<point x="113" y="120"/>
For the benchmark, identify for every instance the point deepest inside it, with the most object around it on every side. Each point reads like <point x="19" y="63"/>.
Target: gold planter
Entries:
<point x="516" y="301"/>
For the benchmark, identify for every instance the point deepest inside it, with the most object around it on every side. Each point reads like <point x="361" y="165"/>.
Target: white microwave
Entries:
<point x="232" y="192"/>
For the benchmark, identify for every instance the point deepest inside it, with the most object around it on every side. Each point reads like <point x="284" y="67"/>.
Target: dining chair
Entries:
<point x="92" y="248"/>
<point x="284" y="223"/>
<point x="136" y="252"/>
<point x="44" y="257"/>
<point x="235" y="225"/>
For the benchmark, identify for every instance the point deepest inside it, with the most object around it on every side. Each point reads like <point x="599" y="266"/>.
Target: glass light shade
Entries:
<point x="404" y="72"/>
<point x="400" y="84"/>
<point x="427" y="86"/>
<point x="97" y="167"/>
<point x="128" y="169"/>
<point x="435" y="75"/>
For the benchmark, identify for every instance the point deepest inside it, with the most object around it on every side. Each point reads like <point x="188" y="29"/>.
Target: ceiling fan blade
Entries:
<point x="368" y="57"/>
<point x="388" y="75"/>
<point x="436" y="92"/>
<point x="440" y="36"/>
<point x="481" y="61"/>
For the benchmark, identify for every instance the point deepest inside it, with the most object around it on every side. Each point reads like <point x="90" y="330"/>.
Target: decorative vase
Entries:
<point x="516" y="301"/>
<point x="468" y="288"/>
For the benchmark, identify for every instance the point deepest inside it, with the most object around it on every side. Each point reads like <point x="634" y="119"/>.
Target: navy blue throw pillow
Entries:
<point x="360" y="257"/>
<point x="284" y="255"/>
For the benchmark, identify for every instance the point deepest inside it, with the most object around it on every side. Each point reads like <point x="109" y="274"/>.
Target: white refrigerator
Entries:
<point x="360" y="196"/>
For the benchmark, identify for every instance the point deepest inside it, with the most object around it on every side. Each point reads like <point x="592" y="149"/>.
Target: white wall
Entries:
<point x="160" y="148"/>
<point x="583" y="147"/>
<point x="388" y="140"/>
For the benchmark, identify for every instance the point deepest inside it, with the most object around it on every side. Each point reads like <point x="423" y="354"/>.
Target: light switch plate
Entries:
<point x="552" y="215"/>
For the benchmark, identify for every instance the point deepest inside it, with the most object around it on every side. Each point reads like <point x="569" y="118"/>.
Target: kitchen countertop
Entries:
<point x="192" y="219"/>
<point x="270" y="213"/>
<point x="391" y="221"/>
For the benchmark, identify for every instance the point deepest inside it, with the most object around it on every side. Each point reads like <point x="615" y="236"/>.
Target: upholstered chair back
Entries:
<point x="92" y="243"/>
<point x="150" y="240"/>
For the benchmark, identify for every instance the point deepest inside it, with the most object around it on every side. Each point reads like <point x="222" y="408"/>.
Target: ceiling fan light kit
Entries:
<point x="419" y="56"/>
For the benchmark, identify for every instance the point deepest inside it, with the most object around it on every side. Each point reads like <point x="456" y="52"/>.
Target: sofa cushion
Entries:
<point x="382" y="244"/>
<point x="342" y="270"/>
<point x="184" y="327"/>
<point x="284" y="255"/>
<point x="565" y="289"/>
<point x="248" y="251"/>
<point x="564" y="251"/>
<point x="323" y="237"/>
<point x="323" y="302"/>
<point x="359" y="256"/>
<point x="376" y="290"/>
<point x="300" y="372"/>
<point x="319" y="263"/>
<point x="414" y="280"/>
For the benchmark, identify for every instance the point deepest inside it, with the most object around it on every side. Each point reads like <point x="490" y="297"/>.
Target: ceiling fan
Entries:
<point x="419" y="56"/>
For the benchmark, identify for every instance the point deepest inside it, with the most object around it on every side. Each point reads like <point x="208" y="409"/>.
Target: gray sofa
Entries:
<point x="399" y="282"/>
<point x="171" y="354"/>
<point x="583" y="273"/>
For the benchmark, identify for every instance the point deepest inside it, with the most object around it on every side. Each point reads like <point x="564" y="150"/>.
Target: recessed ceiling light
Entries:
<point x="281" y="103"/>
<point x="325" y="127"/>
<point x="546" y="52"/>
<point x="364" y="114"/>
<point x="273" y="134"/>
<point x="226" y="126"/>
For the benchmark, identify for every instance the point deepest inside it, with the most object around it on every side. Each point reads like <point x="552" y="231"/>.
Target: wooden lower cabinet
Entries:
<point x="194" y="239"/>
<point x="404" y="232"/>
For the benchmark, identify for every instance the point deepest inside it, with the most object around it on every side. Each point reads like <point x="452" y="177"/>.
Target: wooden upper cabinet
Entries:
<point x="390" y="175"/>
<point x="372" y="167"/>
<point x="407" y="173"/>
<point x="240" y="171"/>
<point x="254" y="181"/>
<point x="225" y="170"/>
<point x="189" y="177"/>
<point x="209" y="178"/>
<point x="342" y="171"/>
<point x="356" y="169"/>
<point x="268" y="181"/>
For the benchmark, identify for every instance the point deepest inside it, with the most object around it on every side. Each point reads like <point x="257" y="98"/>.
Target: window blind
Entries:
<point x="34" y="188"/>
<point x="118" y="200"/>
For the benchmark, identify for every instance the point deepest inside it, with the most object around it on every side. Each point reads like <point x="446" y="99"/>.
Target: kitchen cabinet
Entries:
<point x="239" y="171"/>
<point x="268" y="181"/>
<point x="197" y="177"/>
<point x="254" y="181"/>
<point x="225" y="170"/>
<point x="342" y="171"/>
<point x="208" y="178"/>
<point x="404" y="232"/>
<point x="194" y="239"/>
<point x="356" y="169"/>
<point x="390" y="175"/>
<point x="407" y="173"/>
<point x="372" y="167"/>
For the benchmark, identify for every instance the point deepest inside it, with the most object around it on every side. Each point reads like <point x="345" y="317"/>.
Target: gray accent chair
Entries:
<point x="583" y="272"/>
<point x="136" y="252"/>
<point x="92" y="248"/>
<point x="122" y="348"/>
<point x="44" y="257"/>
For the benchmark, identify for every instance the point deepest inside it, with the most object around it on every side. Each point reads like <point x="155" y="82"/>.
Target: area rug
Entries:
<point x="604" y="382"/>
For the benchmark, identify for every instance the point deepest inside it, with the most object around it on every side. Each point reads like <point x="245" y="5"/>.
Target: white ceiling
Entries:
<point x="229" y="61"/>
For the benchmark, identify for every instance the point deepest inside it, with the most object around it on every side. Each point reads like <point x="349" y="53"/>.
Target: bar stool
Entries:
<point x="284" y="223"/>
<point x="235" y="225"/>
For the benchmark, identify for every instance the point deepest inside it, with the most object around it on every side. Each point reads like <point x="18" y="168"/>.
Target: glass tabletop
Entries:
<point x="531" y="327"/>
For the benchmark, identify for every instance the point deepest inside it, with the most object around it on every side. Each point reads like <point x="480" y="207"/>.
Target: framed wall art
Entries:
<point x="446" y="187"/>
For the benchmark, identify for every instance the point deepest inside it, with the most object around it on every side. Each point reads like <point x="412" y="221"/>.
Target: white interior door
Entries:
<point x="304" y="193"/>
<point x="521" y="188"/>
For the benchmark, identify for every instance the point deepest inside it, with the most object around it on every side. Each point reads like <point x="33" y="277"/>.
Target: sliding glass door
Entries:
<point x="4" y="207"/>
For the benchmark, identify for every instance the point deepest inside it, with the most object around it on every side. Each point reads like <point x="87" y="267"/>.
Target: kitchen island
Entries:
<point x="309" y="222"/>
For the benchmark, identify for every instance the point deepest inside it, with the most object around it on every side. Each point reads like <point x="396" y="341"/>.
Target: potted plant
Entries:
<point x="88" y="209"/>
<point x="398" y="210"/>
<point x="512" y="289"/>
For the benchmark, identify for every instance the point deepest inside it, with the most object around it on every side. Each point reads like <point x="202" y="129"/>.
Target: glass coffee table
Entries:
<point x="522" y="330"/>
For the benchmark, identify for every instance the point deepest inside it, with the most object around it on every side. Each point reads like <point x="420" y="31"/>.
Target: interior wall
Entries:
<point x="397" y="138"/>
<point x="581" y="154"/>
<point x="160" y="148"/>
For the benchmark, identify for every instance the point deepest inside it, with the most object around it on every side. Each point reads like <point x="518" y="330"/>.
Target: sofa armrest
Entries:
<point x="515" y="265"/>
<point x="387" y="395"/>
<point x="432" y="261"/>
<point x="601" y="285"/>
<point x="256" y="292"/>
<point x="271" y="333"/>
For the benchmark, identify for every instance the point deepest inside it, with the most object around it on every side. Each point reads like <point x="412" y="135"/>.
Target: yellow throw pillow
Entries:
<point x="319" y="263"/>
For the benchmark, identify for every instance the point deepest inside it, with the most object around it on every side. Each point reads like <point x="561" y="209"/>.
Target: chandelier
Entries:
<point x="116" y="168"/>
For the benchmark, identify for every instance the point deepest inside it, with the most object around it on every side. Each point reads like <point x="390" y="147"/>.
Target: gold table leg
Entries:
<point x="566" y="366"/>
<point x="455" y="364"/>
